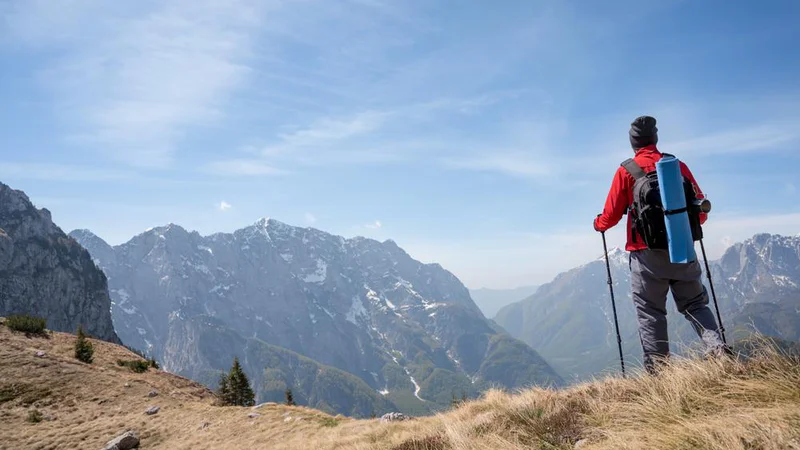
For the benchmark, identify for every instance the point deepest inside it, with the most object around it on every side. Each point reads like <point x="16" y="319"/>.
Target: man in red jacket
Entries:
<point x="652" y="272"/>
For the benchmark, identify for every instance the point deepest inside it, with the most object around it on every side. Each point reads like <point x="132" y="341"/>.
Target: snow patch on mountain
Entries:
<point x="414" y="382"/>
<point x="319" y="275"/>
<point x="356" y="310"/>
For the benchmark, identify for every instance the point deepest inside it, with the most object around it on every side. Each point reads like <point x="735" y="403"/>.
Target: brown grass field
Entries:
<point x="693" y="405"/>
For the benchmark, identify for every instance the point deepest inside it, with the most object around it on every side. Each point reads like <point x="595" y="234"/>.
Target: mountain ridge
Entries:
<point x="363" y="306"/>
<point x="569" y="320"/>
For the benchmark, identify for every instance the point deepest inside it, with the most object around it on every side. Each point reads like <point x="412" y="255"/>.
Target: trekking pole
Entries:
<point x="713" y="294"/>
<point x="613" y="304"/>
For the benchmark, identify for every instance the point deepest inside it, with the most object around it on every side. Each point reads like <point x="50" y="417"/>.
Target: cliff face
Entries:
<point x="46" y="273"/>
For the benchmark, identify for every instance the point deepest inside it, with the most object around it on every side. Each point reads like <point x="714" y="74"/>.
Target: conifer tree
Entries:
<point x="289" y="397"/>
<point x="234" y="387"/>
<point x="83" y="347"/>
<point x="224" y="390"/>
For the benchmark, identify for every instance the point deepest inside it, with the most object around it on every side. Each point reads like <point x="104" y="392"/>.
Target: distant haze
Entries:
<point x="491" y="300"/>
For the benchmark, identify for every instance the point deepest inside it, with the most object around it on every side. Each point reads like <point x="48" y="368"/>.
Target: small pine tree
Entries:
<point x="224" y="390"/>
<point x="289" y="397"/>
<point x="234" y="387"/>
<point x="83" y="347"/>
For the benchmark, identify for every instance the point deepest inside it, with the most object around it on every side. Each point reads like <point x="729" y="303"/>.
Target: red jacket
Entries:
<point x="620" y="197"/>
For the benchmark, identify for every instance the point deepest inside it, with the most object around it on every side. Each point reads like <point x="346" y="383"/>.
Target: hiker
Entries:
<point x="652" y="272"/>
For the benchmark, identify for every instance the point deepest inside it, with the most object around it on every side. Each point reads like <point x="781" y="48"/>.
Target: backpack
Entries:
<point x="647" y="211"/>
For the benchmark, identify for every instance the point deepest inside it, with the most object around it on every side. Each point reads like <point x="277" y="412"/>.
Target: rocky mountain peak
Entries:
<point x="48" y="274"/>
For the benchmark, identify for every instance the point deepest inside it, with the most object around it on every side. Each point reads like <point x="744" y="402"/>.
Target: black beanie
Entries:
<point x="643" y="132"/>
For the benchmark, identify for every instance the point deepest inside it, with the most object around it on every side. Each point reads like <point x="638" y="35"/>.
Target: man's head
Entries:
<point x="643" y="132"/>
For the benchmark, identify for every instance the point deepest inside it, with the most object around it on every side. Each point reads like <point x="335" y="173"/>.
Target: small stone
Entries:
<point x="127" y="385"/>
<point x="253" y="415"/>
<point x="394" y="417"/>
<point x="152" y="394"/>
<point x="40" y="354"/>
<point x="152" y="410"/>
<point x="125" y="441"/>
<point x="581" y="443"/>
<point x="288" y="419"/>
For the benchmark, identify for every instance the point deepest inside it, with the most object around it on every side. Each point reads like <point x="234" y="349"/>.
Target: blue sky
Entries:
<point x="480" y="136"/>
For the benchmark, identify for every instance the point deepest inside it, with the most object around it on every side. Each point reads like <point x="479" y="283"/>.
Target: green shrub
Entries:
<point x="153" y="363"/>
<point x="329" y="422"/>
<point x="26" y="324"/>
<point x="34" y="416"/>
<point x="84" y="351"/>
<point x="136" y="365"/>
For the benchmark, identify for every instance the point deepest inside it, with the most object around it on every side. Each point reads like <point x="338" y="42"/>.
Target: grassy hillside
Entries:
<point x="693" y="405"/>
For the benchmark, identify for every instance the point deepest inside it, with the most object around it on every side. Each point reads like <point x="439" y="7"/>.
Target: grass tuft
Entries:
<point x="35" y="416"/>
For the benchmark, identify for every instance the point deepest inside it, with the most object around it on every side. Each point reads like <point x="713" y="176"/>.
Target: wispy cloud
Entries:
<point x="374" y="225"/>
<point x="242" y="167"/>
<point x="133" y="83"/>
<point x="224" y="206"/>
<point x="327" y="132"/>
<point x="761" y="137"/>
<point x="60" y="172"/>
<point x="512" y="163"/>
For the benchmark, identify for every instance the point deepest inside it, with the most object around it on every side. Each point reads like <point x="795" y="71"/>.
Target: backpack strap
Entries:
<point x="633" y="168"/>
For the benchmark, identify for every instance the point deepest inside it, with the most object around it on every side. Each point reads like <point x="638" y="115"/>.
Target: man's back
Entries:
<point x="620" y="197"/>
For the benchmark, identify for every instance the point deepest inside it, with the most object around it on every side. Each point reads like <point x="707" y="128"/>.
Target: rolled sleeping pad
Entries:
<point x="673" y="198"/>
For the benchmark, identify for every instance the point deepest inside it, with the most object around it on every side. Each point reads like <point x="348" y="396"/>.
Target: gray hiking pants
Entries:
<point x="652" y="275"/>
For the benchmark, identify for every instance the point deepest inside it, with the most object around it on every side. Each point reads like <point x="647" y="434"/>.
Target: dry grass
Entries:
<point x="693" y="405"/>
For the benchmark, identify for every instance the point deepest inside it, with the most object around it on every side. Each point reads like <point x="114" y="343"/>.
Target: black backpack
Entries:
<point x="648" y="212"/>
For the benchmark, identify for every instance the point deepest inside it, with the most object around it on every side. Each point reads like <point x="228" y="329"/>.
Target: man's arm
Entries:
<point x="698" y="193"/>
<point x="616" y="202"/>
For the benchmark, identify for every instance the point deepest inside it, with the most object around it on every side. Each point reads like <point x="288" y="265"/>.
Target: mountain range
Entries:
<point x="352" y="326"/>
<point x="570" y="321"/>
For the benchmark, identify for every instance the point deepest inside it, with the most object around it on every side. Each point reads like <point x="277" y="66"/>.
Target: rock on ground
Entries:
<point x="152" y="410"/>
<point x="394" y="417"/>
<point x="125" y="441"/>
